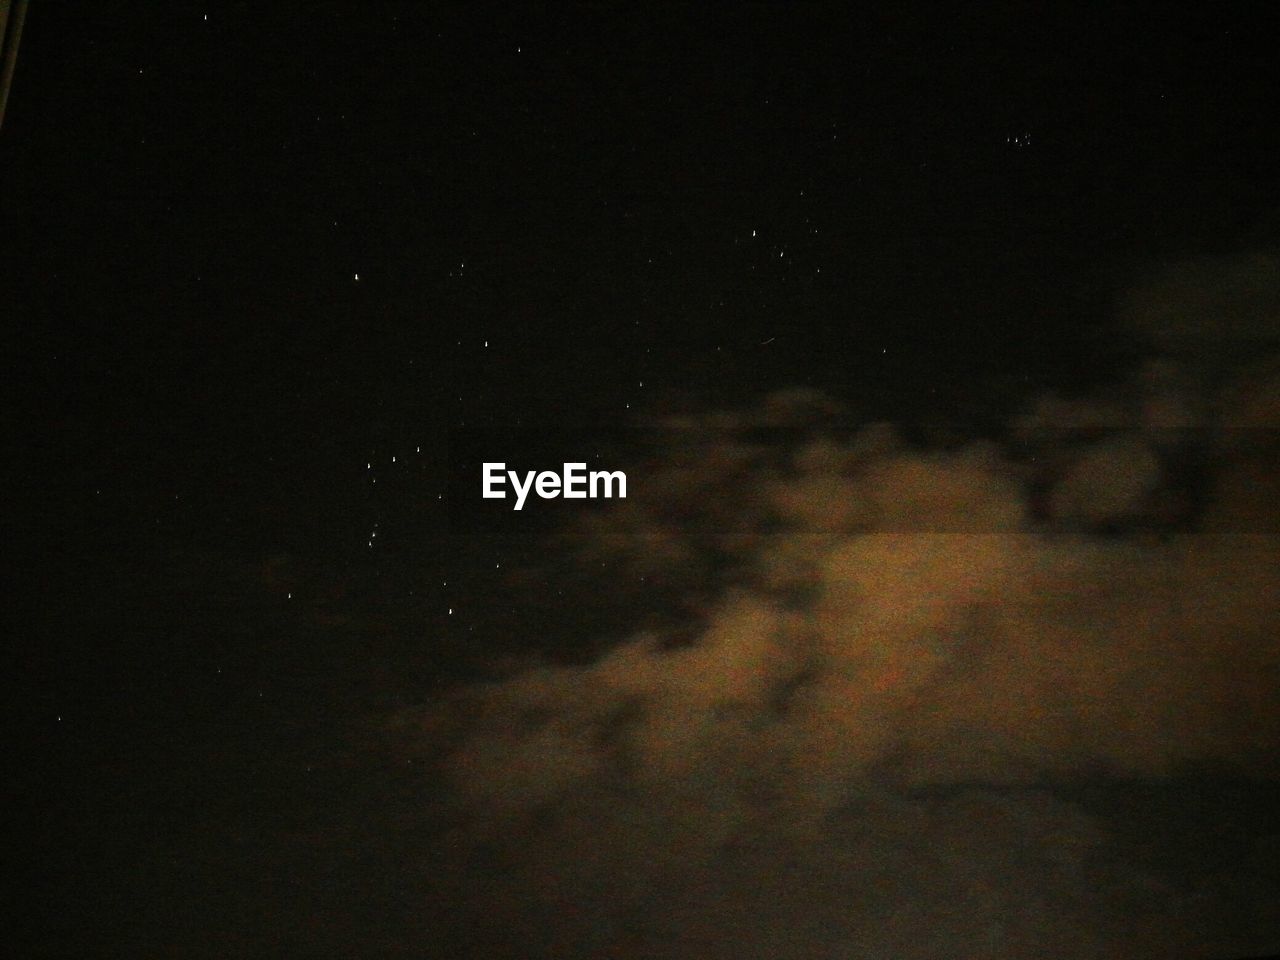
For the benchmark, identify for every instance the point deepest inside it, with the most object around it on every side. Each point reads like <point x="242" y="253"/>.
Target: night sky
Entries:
<point x="821" y="277"/>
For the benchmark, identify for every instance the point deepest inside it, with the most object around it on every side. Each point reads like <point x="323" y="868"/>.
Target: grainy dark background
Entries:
<point x="251" y="252"/>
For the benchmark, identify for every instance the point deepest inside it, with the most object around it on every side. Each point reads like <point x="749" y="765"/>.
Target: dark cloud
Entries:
<point x="864" y="751"/>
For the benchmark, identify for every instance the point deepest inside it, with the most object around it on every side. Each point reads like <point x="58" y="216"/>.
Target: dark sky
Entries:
<point x="252" y="251"/>
<point x="186" y="177"/>
<point x="607" y="194"/>
<point x="249" y="246"/>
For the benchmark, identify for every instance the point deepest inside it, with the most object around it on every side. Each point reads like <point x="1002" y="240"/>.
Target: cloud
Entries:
<point x="902" y="659"/>
<point x="1206" y="307"/>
